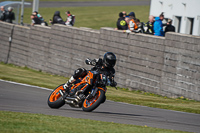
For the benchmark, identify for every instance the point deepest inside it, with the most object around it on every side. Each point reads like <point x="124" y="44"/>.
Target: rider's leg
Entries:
<point x="81" y="72"/>
<point x="69" y="82"/>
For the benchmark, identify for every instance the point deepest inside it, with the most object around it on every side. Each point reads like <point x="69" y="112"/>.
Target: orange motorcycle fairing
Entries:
<point x="88" y="79"/>
<point x="102" y="88"/>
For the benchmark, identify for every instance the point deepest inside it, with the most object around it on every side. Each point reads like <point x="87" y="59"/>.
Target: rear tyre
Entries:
<point x="55" y="99"/>
<point x="90" y="105"/>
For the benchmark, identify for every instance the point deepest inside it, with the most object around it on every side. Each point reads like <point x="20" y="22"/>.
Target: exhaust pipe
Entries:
<point x="69" y="102"/>
<point x="72" y="103"/>
<point x="71" y="98"/>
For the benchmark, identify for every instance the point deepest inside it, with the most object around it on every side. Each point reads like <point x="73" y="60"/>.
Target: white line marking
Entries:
<point x="26" y="85"/>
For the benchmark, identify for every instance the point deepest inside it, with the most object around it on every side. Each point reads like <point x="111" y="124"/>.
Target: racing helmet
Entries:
<point x="109" y="59"/>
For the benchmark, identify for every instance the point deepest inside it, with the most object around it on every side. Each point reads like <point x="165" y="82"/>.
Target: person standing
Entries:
<point x="35" y="20"/>
<point x="169" y="26"/>
<point x="148" y="27"/>
<point x="2" y="13"/>
<point x="70" y="19"/>
<point x="10" y="15"/>
<point x="132" y="24"/>
<point x="121" y="23"/>
<point x="132" y="14"/>
<point x="158" y="26"/>
<point x="35" y="13"/>
<point x="124" y="14"/>
<point x="57" y="18"/>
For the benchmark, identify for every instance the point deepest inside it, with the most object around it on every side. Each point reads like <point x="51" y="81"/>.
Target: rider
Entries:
<point x="106" y="64"/>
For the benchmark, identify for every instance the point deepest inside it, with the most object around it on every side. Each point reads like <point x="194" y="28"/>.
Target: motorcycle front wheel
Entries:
<point x="55" y="99"/>
<point x="93" y="103"/>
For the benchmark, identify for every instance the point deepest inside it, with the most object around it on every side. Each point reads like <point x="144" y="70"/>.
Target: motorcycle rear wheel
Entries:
<point x="90" y="105"/>
<point x="55" y="99"/>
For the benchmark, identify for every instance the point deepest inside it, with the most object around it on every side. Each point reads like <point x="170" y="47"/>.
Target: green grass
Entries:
<point x="33" y="77"/>
<point x="92" y="17"/>
<point x="13" y="122"/>
<point x="29" y="76"/>
<point x="155" y="101"/>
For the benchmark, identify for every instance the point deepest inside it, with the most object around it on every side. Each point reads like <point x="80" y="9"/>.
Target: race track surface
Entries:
<point x="24" y="98"/>
<point x="92" y="3"/>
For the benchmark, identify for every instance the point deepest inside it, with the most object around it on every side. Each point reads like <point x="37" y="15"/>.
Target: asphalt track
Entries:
<point x="24" y="98"/>
<point x="92" y="3"/>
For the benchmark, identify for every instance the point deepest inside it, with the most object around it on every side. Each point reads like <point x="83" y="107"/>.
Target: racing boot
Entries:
<point x="68" y="83"/>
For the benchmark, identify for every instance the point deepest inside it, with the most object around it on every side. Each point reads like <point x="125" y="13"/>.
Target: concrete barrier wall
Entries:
<point x="140" y="58"/>
<point x="5" y="33"/>
<point x="38" y="47"/>
<point x="19" y="46"/>
<point x="168" y="66"/>
<point x="181" y="69"/>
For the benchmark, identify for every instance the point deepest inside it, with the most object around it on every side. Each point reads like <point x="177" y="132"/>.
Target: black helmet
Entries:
<point x="109" y="59"/>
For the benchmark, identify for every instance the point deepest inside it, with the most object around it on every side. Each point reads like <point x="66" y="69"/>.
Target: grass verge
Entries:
<point x="31" y="123"/>
<point x="33" y="77"/>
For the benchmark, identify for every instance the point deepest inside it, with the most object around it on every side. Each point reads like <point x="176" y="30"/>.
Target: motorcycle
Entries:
<point x="86" y="93"/>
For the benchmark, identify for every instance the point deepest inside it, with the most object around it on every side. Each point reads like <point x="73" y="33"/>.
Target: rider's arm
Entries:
<point x="111" y="78"/>
<point x="94" y="62"/>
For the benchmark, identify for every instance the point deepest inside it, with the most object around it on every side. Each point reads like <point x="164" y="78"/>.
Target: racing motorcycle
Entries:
<point x="86" y="93"/>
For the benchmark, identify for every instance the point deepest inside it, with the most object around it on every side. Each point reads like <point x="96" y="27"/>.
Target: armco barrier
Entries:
<point x="168" y="66"/>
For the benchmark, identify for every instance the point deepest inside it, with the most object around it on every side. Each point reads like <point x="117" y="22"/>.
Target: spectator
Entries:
<point x="148" y="27"/>
<point x="158" y="26"/>
<point x="57" y="18"/>
<point x="43" y="22"/>
<point x="35" y="20"/>
<point x="127" y="20"/>
<point x="9" y="15"/>
<point x="169" y="26"/>
<point x="35" y="13"/>
<point x="124" y="14"/>
<point x="121" y="23"/>
<point x="70" y="19"/>
<point x="132" y="24"/>
<point x="132" y="14"/>
<point x="2" y="14"/>
<point x="140" y="26"/>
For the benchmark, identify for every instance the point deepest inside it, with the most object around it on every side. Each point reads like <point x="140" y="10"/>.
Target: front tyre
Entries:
<point x="55" y="99"/>
<point x="93" y="103"/>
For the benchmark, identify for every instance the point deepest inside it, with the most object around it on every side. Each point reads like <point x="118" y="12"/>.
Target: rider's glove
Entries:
<point x="93" y="62"/>
<point x="88" y="61"/>
<point x="113" y="84"/>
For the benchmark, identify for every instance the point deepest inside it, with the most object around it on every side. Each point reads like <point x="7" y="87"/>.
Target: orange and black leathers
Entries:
<point x="81" y="75"/>
<point x="108" y="71"/>
<point x="135" y="27"/>
<point x="121" y="24"/>
<point x="97" y="63"/>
